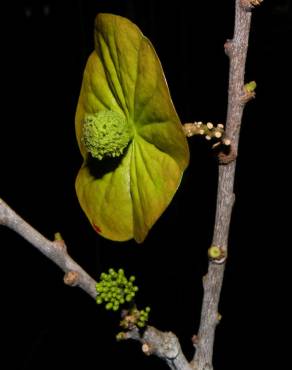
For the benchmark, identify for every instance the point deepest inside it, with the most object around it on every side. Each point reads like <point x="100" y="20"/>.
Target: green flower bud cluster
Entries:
<point x="135" y="317"/>
<point x="143" y="317"/>
<point x="114" y="289"/>
<point x="106" y="134"/>
<point x="121" y="336"/>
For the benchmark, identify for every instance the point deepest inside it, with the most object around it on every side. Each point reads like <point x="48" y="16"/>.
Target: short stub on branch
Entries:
<point x="71" y="278"/>
<point x="248" y="92"/>
<point x="59" y="241"/>
<point x="250" y="4"/>
<point x="195" y="340"/>
<point x="146" y="348"/>
<point x="226" y="153"/>
<point x="217" y="254"/>
<point x="228" y="47"/>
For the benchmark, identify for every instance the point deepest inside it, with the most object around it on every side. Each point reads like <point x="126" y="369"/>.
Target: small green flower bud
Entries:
<point x="109" y="306"/>
<point x="250" y="86"/>
<point x="214" y="252"/>
<point x="120" y="336"/>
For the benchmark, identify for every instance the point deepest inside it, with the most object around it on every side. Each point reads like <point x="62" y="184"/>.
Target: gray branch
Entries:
<point x="164" y="345"/>
<point x="56" y="250"/>
<point x="236" y="49"/>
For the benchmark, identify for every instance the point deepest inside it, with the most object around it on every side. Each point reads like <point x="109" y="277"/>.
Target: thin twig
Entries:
<point x="55" y="250"/>
<point x="236" y="49"/>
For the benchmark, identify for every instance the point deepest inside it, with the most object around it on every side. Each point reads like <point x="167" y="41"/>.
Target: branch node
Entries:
<point x="146" y="349"/>
<point x="250" y="4"/>
<point x="219" y="317"/>
<point x="248" y="92"/>
<point x="71" y="278"/>
<point x="58" y="236"/>
<point x="228" y="47"/>
<point x="59" y="242"/>
<point x="229" y="157"/>
<point x="195" y="340"/>
<point x="121" y="336"/>
<point x="217" y="254"/>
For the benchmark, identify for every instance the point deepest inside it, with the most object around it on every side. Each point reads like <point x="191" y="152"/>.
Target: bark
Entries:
<point x="236" y="49"/>
<point x="55" y="250"/>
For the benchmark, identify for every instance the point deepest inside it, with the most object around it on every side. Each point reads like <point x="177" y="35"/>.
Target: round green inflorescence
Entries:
<point x="106" y="134"/>
<point x="115" y="289"/>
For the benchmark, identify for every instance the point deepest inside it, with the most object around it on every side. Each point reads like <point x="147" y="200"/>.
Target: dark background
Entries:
<point x="46" y="325"/>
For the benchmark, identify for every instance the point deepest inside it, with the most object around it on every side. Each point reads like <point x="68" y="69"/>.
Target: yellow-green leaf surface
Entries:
<point x="124" y="189"/>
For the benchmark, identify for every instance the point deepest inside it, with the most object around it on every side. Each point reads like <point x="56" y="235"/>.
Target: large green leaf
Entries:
<point x="126" y="107"/>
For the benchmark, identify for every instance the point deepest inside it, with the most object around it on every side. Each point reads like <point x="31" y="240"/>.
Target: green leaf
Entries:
<point x="128" y="132"/>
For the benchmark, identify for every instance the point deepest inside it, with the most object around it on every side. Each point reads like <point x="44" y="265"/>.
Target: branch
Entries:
<point x="161" y="344"/>
<point x="55" y="250"/>
<point x="236" y="49"/>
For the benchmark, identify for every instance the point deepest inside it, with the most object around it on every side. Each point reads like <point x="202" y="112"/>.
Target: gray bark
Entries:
<point x="236" y="49"/>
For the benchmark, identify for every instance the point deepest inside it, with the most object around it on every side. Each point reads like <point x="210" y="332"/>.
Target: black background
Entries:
<point x="46" y="325"/>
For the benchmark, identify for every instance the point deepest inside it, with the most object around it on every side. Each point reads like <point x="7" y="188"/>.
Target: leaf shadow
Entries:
<point x="100" y="167"/>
